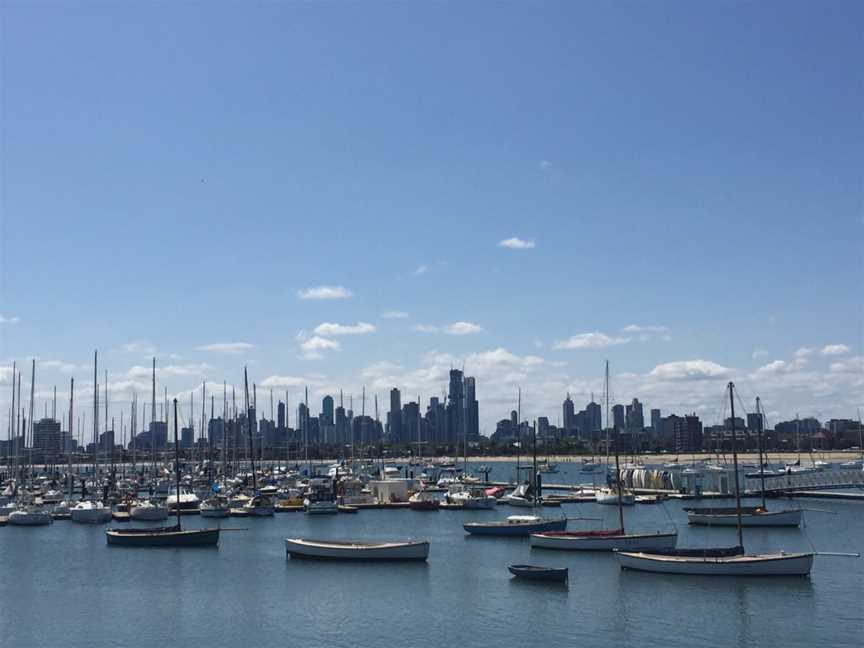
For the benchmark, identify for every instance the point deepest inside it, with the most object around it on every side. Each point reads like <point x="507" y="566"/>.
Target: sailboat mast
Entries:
<point x="95" y="415"/>
<point x="617" y="459"/>
<point x="68" y="447"/>
<point x="518" y="433"/>
<point x="608" y="422"/>
<point x="761" y="460"/>
<point x="249" y="429"/>
<point x="735" y="463"/>
<point x="153" y="419"/>
<point x="30" y="422"/>
<point x="176" y="465"/>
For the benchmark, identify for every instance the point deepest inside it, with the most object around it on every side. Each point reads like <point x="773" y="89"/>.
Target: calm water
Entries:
<point x="61" y="585"/>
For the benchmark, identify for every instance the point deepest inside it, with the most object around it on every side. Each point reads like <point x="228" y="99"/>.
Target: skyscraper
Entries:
<point x="455" y="407"/>
<point x="656" y="422"/>
<point x="472" y="409"/>
<point x="327" y="410"/>
<point x="634" y="419"/>
<point x="569" y="416"/>
<point x="395" y="415"/>
<point x="280" y="416"/>
<point x="618" y="417"/>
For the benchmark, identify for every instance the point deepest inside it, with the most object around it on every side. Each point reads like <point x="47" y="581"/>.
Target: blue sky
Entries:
<point x="173" y="177"/>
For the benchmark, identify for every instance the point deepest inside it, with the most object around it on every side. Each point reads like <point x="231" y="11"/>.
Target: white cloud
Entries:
<point x="759" y="353"/>
<point x="853" y="365"/>
<point x="595" y="340"/>
<point x="394" y="314"/>
<point x="226" y="347"/>
<point x="324" y="292"/>
<point x="59" y="365"/>
<point x="456" y="328"/>
<point x="9" y="320"/>
<point x="421" y="269"/>
<point x="636" y="328"/>
<point x="778" y="367"/>
<point x="283" y="382"/>
<point x="803" y="352"/>
<point x="462" y="328"/>
<point x="690" y="370"/>
<point x="5" y="375"/>
<point x="169" y="370"/>
<point x="314" y="347"/>
<point x="328" y="329"/>
<point x="139" y="346"/>
<point x="515" y="243"/>
<point x="835" y="349"/>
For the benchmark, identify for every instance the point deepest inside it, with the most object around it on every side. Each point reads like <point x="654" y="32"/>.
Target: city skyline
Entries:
<point x="557" y="188"/>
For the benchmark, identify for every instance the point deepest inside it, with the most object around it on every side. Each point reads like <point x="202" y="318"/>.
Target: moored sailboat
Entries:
<point x="754" y="516"/>
<point x="606" y="539"/>
<point x="725" y="561"/>
<point x="173" y="536"/>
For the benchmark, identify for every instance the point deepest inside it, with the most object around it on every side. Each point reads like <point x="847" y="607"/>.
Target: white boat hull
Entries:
<point x="148" y="513"/>
<point x="626" y="542"/>
<point x="91" y="514"/>
<point x="298" y="548"/>
<point x="214" y="512"/>
<point x="30" y="518"/>
<point x="611" y="499"/>
<point x="513" y="500"/>
<point x="767" y="519"/>
<point x="792" y="564"/>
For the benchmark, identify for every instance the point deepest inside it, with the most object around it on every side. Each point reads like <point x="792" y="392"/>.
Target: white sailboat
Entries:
<point x="148" y="509"/>
<point x="726" y="561"/>
<point x="90" y="512"/>
<point x="606" y="539"/>
<point x="93" y="511"/>
<point x="752" y="516"/>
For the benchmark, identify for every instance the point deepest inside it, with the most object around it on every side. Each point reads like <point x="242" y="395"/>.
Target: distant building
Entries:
<point x="436" y="422"/>
<point x="753" y="422"/>
<point x="410" y="421"/>
<point x="634" y="419"/>
<point x="46" y="436"/>
<point x="395" y="418"/>
<point x="456" y="407"/>
<point x="618" y="420"/>
<point x="281" y="424"/>
<point x="327" y="410"/>
<point x="656" y="422"/>
<point x="187" y="437"/>
<point x="568" y="418"/>
<point x="472" y="409"/>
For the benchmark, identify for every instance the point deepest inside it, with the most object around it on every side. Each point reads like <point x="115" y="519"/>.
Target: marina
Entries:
<point x="251" y="566"/>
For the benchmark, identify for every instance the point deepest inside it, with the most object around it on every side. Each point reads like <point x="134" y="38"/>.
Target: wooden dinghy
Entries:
<point x="353" y="550"/>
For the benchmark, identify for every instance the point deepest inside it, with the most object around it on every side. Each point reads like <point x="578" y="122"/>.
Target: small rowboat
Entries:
<point x="550" y="574"/>
<point x="360" y="551"/>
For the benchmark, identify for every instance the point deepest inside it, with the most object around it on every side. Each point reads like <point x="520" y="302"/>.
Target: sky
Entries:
<point x="350" y="194"/>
